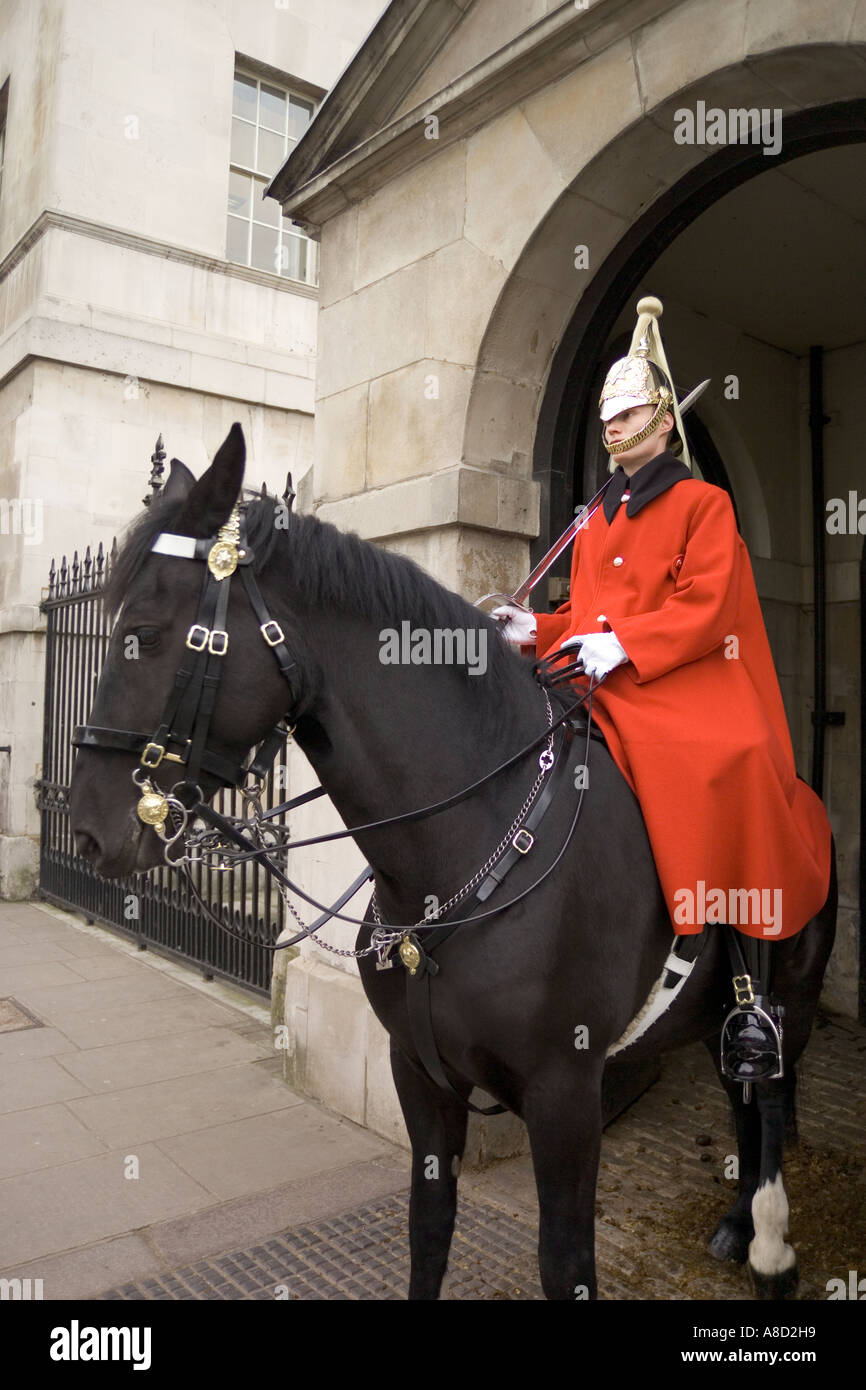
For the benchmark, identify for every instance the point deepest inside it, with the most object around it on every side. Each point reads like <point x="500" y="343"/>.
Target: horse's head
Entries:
<point x="169" y="656"/>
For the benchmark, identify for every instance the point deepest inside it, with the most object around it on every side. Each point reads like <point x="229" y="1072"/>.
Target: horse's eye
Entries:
<point x="148" y="636"/>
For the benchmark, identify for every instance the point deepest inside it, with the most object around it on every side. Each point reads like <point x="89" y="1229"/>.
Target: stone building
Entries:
<point x="476" y="206"/>
<point x="145" y="285"/>
<point x="493" y="183"/>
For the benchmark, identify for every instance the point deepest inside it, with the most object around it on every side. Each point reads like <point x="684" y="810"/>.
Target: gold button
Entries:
<point x="617" y="559"/>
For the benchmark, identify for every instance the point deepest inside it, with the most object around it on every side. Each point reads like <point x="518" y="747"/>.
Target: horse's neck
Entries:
<point x="400" y="738"/>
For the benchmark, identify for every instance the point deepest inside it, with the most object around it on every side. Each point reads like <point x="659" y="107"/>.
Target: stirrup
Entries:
<point x="751" y="1042"/>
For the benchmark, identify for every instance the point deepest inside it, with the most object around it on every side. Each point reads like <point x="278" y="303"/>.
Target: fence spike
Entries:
<point x="157" y="460"/>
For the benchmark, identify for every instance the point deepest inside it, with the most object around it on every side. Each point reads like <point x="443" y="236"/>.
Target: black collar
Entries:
<point x="648" y="482"/>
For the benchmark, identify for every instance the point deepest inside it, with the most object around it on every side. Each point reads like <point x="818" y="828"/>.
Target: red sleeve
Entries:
<point x="552" y="626"/>
<point x="700" y="614"/>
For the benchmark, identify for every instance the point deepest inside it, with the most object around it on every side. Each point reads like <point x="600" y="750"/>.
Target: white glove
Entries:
<point x="518" y="625"/>
<point x="600" y="652"/>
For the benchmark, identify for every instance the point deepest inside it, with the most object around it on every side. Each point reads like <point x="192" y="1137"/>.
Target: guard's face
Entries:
<point x="630" y="422"/>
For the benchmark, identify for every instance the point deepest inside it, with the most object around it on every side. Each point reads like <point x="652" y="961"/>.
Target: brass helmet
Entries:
<point x="642" y="378"/>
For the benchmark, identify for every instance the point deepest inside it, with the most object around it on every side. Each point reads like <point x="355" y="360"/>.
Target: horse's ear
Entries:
<point x="210" y="501"/>
<point x="180" y="482"/>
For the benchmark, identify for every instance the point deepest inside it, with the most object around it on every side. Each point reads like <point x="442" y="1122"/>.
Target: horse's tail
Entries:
<point x="823" y="928"/>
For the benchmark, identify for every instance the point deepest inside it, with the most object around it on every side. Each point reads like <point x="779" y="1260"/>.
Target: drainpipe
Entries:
<point x="821" y="716"/>
<point x="862" y="783"/>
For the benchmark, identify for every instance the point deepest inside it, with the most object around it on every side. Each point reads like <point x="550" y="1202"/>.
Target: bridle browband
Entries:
<point x="185" y="721"/>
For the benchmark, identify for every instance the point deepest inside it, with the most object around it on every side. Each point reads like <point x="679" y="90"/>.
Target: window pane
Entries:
<point x="239" y="193"/>
<point x="264" y="253"/>
<point x="243" y="143"/>
<point x="300" y="115"/>
<point x="236" y="240"/>
<point x="294" y="256"/>
<point x="272" y="151"/>
<point x="244" y="103"/>
<point x="272" y="109"/>
<point x="265" y="209"/>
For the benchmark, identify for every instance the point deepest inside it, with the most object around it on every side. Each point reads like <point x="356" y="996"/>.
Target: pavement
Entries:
<point x="144" y="1119"/>
<point x="151" y="1150"/>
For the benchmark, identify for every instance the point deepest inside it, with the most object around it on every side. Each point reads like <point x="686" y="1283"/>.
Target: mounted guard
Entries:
<point x="663" y="605"/>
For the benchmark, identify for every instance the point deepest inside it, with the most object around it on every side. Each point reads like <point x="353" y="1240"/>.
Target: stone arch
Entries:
<point x="629" y="203"/>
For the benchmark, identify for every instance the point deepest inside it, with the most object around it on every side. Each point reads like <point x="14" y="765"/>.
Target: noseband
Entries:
<point x="185" y="722"/>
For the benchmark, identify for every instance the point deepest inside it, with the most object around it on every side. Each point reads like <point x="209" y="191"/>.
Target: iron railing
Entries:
<point x="156" y="908"/>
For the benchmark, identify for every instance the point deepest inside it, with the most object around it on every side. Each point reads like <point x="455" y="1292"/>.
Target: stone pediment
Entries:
<point x="389" y="64"/>
<point x="461" y="61"/>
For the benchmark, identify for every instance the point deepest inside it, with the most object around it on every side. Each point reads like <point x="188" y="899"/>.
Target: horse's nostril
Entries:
<point x="85" y="845"/>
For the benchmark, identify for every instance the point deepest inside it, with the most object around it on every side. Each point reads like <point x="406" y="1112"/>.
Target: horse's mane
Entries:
<point x="330" y="570"/>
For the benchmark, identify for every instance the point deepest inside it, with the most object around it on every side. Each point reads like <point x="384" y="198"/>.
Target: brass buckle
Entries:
<point x="178" y="757"/>
<point x="279" y="635"/>
<point x="743" y="992"/>
<point x="198" y="642"/>
<point x="147" y="757"/>
<point x="524" y="846"/>
<point x="222" y="638"/>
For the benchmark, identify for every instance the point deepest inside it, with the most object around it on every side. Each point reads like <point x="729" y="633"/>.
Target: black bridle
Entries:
<point x="186" y="720"/>
<point x="185" y="725"/>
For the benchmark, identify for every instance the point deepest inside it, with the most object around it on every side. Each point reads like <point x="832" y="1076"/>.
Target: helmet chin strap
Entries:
<point x="649" y="428"/>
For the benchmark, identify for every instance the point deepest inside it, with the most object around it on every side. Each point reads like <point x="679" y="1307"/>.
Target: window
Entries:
<point x="267" y="122"/>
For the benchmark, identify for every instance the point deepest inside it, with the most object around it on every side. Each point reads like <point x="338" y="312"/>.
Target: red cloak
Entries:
<point x="695" y="720"/>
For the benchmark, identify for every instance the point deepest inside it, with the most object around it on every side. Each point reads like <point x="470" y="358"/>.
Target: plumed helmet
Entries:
<point x="643" y="377"/>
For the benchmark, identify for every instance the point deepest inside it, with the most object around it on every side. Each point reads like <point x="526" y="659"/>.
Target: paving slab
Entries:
<point x="148" y="1019"/>
<point x="31" y="952"/>
<point x="180" y="1105"/>
<point x="60" y="1002"/>
<point x="104" y="966"/>
<point x="234" y="1160"/>
<point x="73" y="1204"/>
<point x="36" y="1081"/>
<point x="19" y="979"/>
<point x="124" y="1064"/>
<point x="84" y="1273"/>
<point x="32" y="1042"/>
<point x="43" y="1138"/>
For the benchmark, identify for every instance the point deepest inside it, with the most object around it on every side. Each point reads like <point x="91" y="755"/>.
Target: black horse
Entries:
<point x="576" y="957"/>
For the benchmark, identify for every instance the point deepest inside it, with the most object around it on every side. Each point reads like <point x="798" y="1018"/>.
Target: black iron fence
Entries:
<point x="154" y="908"/>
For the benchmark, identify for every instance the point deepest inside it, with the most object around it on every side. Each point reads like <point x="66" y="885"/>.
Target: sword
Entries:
<point x="580" y="520"/>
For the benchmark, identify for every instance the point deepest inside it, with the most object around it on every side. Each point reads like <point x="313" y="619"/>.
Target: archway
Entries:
<point x="549" y="331"/>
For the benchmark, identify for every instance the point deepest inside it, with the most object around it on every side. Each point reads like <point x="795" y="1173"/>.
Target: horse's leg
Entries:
<point x="563" y="1117"/>
<point x="437" y="1133"/>
<point x="730" y="1240"/>
<point x="772" y="1262"/>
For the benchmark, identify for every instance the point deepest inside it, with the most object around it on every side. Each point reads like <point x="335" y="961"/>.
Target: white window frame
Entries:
<point x="285" y="230"/>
